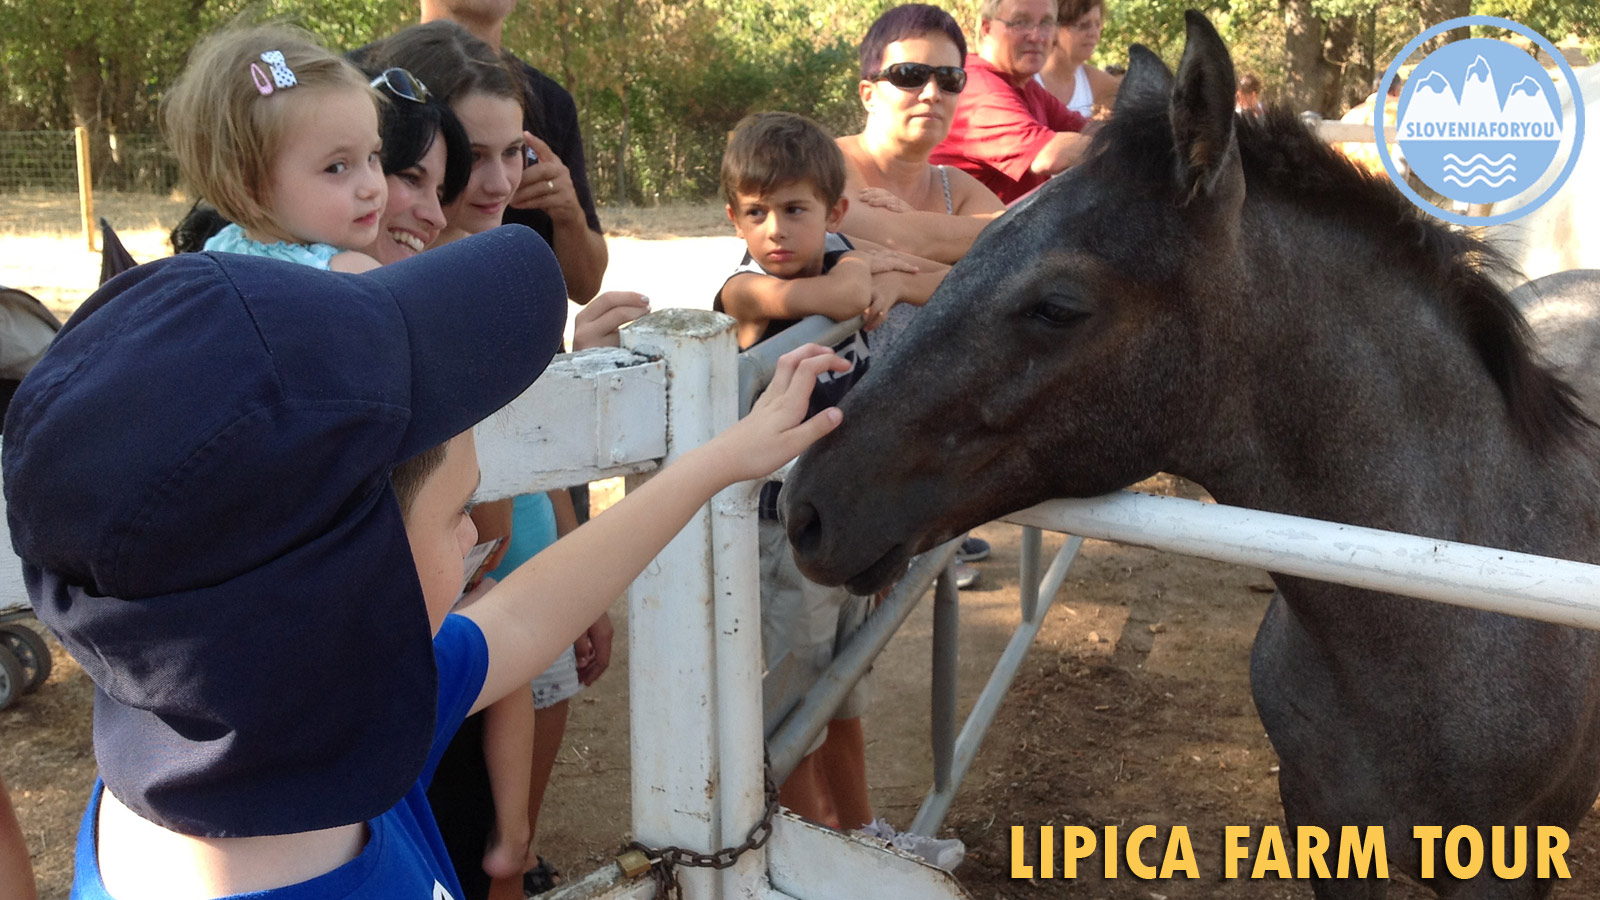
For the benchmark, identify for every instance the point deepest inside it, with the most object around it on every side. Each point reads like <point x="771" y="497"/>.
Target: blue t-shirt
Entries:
<point x="404" y="858"/>
<point x="533" y="528"/>
<point x="232" y="240"/>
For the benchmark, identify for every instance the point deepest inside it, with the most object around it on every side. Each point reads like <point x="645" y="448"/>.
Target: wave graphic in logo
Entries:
<point x="1466" y="172"/>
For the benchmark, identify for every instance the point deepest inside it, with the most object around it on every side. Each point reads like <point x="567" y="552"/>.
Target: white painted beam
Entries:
<point x="810" y="862"/>
<point x="1554" y="590"/>
<point x="593" y="414"/>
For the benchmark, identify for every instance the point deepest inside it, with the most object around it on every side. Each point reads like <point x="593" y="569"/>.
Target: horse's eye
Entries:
<point x="1058" y="311"/>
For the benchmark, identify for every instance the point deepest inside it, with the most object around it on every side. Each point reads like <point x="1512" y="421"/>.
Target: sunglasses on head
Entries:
<point x="909" y="76"/>
<point x="402" y="84"/>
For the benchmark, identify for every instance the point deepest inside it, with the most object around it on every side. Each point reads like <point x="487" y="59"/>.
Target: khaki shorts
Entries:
<point x="802" y="623"/>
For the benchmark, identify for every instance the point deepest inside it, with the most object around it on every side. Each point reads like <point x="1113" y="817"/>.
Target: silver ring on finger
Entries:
<point x="550" y="185"/>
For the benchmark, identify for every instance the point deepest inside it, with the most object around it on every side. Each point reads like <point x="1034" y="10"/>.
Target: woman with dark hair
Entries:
<point x="484" y="92"/>
<point x="911" y="78"/>
<point x="1067" y="73"/>
<point x="427" y="160"/>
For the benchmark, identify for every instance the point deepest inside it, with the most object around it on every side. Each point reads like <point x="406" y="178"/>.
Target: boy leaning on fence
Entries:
<point x="783" y="180"/>
<point x="256" y="571"/>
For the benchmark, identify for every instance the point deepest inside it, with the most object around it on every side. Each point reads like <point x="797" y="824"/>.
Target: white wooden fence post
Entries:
<point x="694" y="632"/>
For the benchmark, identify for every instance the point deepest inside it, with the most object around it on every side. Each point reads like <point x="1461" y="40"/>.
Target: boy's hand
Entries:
<point x="776" y="430"/>
<point x="597" y="325"/>
<point x="592" y="650"/>
<point x="884" y="295"/>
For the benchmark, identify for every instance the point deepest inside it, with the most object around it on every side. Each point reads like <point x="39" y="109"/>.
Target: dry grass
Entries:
<point x="42" y="250"/>
<point x="675" y="220"/>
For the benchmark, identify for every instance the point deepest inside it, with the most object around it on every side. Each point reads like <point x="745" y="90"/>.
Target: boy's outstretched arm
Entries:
<point x="541" y="608"/>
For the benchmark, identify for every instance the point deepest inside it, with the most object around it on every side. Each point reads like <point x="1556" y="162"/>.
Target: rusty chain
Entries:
<point x="664" y="861"/>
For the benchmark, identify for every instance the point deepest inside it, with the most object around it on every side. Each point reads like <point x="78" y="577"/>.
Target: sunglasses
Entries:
<point x="912" y="76"/>
<point x="402" y="84"/>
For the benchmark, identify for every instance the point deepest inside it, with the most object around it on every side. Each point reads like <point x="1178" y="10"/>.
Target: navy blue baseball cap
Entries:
<point x="197" y="481"/>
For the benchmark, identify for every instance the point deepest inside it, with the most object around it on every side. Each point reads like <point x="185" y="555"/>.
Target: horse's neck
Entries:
<point x="1375" y="411"/>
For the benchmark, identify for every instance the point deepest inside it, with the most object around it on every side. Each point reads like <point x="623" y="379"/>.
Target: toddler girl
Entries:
<point x="281" y="136"/>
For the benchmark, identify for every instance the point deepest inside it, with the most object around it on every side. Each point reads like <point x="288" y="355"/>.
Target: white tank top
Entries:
<point x="1082" y="100"/>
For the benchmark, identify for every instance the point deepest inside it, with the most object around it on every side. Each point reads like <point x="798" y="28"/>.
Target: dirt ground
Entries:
<point x="1133" y="707"/>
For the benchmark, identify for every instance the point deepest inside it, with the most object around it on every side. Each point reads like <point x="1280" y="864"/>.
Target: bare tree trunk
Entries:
<point x="1435" y="11"/>
<point x="622" y="145"/>
<point x="1361" y="75"/>
<point x="85" y="86"/>
<point x="624" y="10"/>
<point x="1305" y="73"/>
<point x="1338" y="50"/>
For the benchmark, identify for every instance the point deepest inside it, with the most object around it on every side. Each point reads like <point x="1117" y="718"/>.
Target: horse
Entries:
<point x="1227" y="299"/>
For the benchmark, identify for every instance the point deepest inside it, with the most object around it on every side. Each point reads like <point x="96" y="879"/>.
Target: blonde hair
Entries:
<point x="225" y="132"/>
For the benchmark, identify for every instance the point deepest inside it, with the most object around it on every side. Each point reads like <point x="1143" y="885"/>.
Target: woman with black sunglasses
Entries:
<point x="911" y="77"/>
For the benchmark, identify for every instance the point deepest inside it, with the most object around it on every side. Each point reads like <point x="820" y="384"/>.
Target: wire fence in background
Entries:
<point x="47" y="161"/>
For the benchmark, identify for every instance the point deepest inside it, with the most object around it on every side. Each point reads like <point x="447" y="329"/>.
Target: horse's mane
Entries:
<point x="1281" y="155"/>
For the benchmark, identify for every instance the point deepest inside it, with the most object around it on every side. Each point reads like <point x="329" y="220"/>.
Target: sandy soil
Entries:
<point x="1133" y="708"/>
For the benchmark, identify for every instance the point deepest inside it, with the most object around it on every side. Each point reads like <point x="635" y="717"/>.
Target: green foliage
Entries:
<point x="658" y="83"/>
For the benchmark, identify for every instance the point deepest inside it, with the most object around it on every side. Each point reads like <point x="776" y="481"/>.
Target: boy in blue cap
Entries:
<point x="256" y="567"/>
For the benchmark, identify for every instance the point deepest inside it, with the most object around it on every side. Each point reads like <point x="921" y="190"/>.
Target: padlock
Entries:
<point x="633" y="863"/>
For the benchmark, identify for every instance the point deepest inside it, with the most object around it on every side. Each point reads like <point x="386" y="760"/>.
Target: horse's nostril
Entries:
<point x="804" y="527"/>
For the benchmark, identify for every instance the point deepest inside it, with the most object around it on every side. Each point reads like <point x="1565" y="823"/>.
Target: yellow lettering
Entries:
<point x="1180" y="854"/>
<point x="1452" y="851"/>
<point x="1047" y="852"/>
<point x="1019" y="869"/>
<point x="1111" y="851"/>
<point x="1519" y="851"/>
<point x="1364" y="852"/>
<point x="1271" y="855"/>
<point x="1231" y="851"/>
<point x="1553" y="843"/>
<point x="1427" y="834"/>
<point x="1136" y="863"/>
<point x="1077" y="843"/>
<point x="1310" y="843"/>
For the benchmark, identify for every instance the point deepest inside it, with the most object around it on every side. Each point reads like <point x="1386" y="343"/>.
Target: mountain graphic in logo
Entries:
<point x="1465" y="137"/>
<point x="1435" y="113"/>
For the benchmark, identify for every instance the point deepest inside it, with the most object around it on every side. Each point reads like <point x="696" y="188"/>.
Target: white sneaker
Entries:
<point x="946" y="853"/>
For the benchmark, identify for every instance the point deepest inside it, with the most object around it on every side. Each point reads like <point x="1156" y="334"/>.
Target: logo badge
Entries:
<point x="1480" y="121"/>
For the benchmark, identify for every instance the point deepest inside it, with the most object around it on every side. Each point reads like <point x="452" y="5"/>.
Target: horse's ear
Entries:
<point x="1202" y="112"/>
<point x="1148" y="81"/>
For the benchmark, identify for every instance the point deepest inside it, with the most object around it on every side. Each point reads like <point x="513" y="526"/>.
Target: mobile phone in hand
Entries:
<point x="476" y="563"/>
<point x="528" y="156"/>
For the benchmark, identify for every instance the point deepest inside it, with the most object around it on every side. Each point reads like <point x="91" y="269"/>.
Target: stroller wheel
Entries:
<point x="31" y="651"/>
<point x="11" y="678"/>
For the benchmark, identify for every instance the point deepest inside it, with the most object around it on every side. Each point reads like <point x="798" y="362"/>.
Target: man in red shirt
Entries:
<point x="1009" y="132"/>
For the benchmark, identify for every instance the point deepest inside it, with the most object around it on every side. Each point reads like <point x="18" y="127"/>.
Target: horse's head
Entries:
<point x="1075" y="321"/>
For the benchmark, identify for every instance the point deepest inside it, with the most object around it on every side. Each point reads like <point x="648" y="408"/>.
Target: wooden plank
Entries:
<point x="1352" y="132"/>
<point x="593" y="414"/>
<point x="810" y="862"/>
